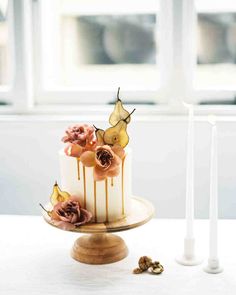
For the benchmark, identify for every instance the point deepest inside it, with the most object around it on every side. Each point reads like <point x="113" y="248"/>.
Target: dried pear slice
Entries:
<point x="119" y="112"/>
<point x="58" y="195"/>
<point x="124" y="138"/>
<point x="117" y="134"/>
<point x="99" y="135"/>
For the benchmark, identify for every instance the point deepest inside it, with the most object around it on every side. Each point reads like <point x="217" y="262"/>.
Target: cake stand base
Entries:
<point x="99" y="248"/>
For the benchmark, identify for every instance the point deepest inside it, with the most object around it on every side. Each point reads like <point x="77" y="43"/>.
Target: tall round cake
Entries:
<point x="95" y="167"/>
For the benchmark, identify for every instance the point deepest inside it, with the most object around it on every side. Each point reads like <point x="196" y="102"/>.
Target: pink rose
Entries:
<point x="68" y="215"/>
<point x="106" y="161"/>
<point x="81" y="137"/>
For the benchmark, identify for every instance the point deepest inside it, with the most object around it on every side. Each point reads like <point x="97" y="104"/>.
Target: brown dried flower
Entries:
<point x="80" y="138"/>
<point x="144" y="262"/>
<point x="105" y="159"/>
<point x="69" y="214"/>
<point x="81" y="134"/>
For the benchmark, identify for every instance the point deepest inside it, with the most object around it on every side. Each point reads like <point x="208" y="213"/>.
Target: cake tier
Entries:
<point x="107" y="200"/>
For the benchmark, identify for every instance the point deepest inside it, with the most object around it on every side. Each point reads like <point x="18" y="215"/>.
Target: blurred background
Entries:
<point x="61" y="62"/>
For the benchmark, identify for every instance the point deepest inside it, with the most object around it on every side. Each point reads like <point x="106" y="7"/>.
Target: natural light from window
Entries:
<point x="4" y="52"/>
<point x="216" y="48"/>
<point x="115" y="44"/>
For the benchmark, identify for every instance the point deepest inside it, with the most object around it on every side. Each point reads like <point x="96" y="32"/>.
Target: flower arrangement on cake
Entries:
<point x="66" y="212"/>
<point x="95" y="172"/>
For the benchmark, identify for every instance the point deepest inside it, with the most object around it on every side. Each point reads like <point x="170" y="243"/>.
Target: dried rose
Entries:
<point x="106" y="161"/>
<point x="69" y="214"/>
<point x="81" y="138"/>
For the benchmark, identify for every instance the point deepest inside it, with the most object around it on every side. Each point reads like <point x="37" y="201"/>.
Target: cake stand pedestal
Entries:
<point x="99" y="249"/>
<point x="102" y="247"/>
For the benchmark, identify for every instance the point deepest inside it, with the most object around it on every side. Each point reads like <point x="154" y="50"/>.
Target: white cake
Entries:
<point x="108" y="200"/>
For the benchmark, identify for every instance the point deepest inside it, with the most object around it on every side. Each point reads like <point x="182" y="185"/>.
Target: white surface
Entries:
<point x="71" y="184"/>
<point x="29" y="163"/>
<point x="35" y="260"/>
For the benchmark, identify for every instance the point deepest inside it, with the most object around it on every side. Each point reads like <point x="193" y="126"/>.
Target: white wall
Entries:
<point x="29" y="163"/>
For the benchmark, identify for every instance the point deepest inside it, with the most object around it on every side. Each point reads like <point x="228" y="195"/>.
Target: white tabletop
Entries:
<point x="35" y="259"/>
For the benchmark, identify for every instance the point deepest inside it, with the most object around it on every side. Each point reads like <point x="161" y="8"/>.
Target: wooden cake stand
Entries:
<point x="102" y="247"/>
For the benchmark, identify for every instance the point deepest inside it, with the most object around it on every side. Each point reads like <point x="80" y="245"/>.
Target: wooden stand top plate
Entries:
<point x="142" y="211"/>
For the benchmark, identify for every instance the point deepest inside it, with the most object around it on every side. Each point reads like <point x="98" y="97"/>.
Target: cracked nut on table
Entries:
<point x="156" y="268"/>
<point x="144" y="262"/>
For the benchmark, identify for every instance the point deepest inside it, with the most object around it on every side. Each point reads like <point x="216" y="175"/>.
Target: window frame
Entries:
<point x="20" y="92"/>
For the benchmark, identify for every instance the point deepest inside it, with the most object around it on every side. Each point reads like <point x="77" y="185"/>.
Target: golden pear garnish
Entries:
<point x="99" y="135"/>
<point x="118" y="134"/>
<point x="58" y="195"/>
<point x="119" y="112"/>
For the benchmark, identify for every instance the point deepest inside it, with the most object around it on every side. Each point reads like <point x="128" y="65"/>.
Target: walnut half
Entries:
<point x="145" y="262"/>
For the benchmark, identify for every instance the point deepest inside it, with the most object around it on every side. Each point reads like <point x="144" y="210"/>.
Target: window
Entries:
<point x="5" y="59"/>
<point x="102" y="47"/>
<point x="102" y="43"/>
<point x="4" y="50"/>
<point x="74" y="52"/>
<point x="216" y="48"/>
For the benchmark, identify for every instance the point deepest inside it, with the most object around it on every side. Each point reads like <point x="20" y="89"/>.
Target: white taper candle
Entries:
<point x="213" y="196"/>
<point x="213" y="261"/>
<point x="189" y="257"/>
<point x="190" y="176"/>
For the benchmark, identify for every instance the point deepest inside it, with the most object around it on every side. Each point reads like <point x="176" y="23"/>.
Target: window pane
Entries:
<point x="216" y="48"/>
<point x="103" y="48"/>
<point x="4" y="52"/>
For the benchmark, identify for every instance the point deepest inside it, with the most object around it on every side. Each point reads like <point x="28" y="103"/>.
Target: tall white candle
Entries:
<point x="189" y="257"/>
<point x="213" y="265"/>
<point x="213" y="197"/>
<point x="189" y="207"/>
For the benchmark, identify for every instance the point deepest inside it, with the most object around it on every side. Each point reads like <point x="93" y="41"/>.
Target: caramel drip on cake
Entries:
<point x="78" y="168"/>
<point x="95" y="200"/>
<point x="106" y="190"/>
<point x="122" y="184"/>
<point x="112" y="181"/>
<point x="84" y="177"/>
